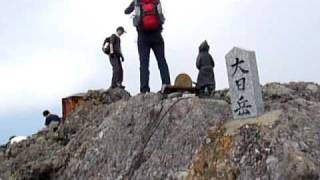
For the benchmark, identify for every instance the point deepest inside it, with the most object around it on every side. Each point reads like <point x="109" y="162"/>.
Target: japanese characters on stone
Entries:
<point x="245" y="90"/>
<point x="242" y="103"/>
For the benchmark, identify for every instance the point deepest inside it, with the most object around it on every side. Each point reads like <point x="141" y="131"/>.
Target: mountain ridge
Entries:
<point x="116" y="136"/>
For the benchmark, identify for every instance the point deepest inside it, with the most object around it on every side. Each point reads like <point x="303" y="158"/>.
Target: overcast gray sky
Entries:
<point x="50" y="49"/>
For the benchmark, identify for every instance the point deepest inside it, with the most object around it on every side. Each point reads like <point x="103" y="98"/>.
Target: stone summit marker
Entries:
<point x="245" y="89"/>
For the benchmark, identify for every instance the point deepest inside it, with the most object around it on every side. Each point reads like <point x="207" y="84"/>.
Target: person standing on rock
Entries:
<point x="206" y="81"/>
<point x="113" y="49"/>
<point x="148" y="20"/>
<point x="52" y="121"/>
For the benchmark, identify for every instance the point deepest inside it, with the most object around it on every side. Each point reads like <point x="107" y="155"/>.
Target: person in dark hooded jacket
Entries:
<point x="206" y="81"/>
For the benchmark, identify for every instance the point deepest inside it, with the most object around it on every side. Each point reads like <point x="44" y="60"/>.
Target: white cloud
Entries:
<point x="42" y="77"/>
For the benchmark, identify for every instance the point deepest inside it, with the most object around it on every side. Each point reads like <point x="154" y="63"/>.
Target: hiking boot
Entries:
<point x="144" y="92"/>
<point x="163" y="88"/>
<point x="119" y="86"/>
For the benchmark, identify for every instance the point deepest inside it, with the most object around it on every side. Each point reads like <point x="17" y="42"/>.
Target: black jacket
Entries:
<point x="130" y="8"/>
<point x="116" y="42"/>
<point x="205" y="64"/>
<point x="51" y="118"/>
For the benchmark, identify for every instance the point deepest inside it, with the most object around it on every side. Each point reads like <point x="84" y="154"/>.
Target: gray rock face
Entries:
<point x="244" y="83"/>
<point x="97" y="97"/>
<point x="276" y="148"/>
<point x="277" y="89"/>
<point x="148" y="137"/>
<point x="145" y="138"/>
<point x="313" y="88"/>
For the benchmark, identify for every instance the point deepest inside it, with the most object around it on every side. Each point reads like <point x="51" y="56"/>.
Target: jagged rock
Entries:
<point x="146" y="137"/>
<point x="115" y="136"/>
<point x="109" y="96"/>
<point x="276" y="89"/>
<point x="283" y="146"/>
<point x="313" y="88"/>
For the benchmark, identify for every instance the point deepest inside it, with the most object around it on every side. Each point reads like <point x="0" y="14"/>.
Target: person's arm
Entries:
<point x="198" y="64"/>
<point x="121" y="57"/>
<point x="212" y="61"/>
<point x="112" y="41"/>
<point x="47" y="122"/>
<point x="130" y="9"/>
<point x="120" y="54"/>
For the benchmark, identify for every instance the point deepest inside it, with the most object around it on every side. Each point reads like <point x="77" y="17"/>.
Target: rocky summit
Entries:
<point x="118" y="137"/>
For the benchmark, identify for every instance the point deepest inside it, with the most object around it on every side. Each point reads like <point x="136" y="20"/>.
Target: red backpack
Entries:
<point x="149" y="19"/>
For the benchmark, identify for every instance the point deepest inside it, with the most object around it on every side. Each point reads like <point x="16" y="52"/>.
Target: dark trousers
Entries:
<point x="146" y="42"/>
<point x="117" y="71"/>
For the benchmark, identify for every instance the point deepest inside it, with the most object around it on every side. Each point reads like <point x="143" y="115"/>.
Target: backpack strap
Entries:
<point x="107" y="40"/>
<point x="137" y="16"/>
<point x="160" y="13"/>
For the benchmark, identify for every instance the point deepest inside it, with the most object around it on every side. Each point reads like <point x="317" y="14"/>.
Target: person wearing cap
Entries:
<point x="116" y="57"/>
<point x="52" y="121"/>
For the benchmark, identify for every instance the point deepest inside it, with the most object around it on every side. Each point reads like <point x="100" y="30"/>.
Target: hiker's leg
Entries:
<point x="158" y="49"/>
<point x="212" y="89"/>
<point x="118" y="71"/>
<point x="144" y="54"/>
<point x="113" y="62"/>
<point x="121" y="72"/>
<point x="53" y="127"/>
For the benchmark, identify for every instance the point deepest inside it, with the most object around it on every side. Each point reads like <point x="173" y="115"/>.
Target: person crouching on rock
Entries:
<point x="206" y="81"/>
<point x="52" y="121"/>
